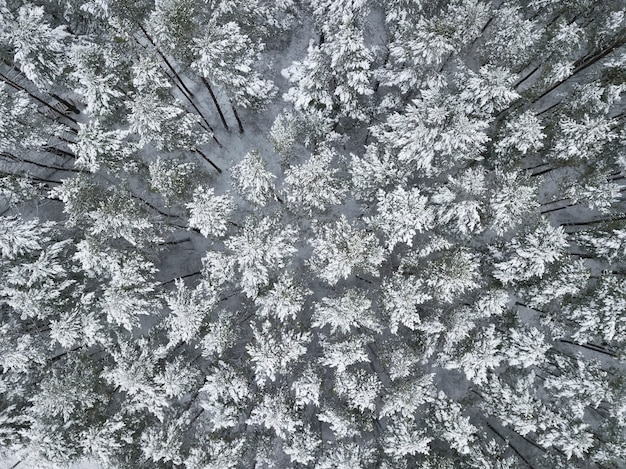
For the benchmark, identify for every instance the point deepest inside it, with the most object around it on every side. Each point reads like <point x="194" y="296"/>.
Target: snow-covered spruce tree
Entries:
<point x="413" y="257"/>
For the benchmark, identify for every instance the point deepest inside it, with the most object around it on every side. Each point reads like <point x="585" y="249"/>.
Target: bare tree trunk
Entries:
<point x="66" y="103"/>
<point x="593" y="347"/>
<point x="29" y="176"/>
<point x="593" y="222"/>
<point x="237" y="117"/>
<point x="14" y="158"/>
<point x="14" y="85"/>
<point x="206" y="158"/>
<point x="217" y="105"/>
<point x="532" y="72"/>
<point x="545" y="171"/>
<point x="543" y="212"/>
<point x="585" y="63"/>
<point x="58" y="152"/>
<point x="178" y="81"/>
<point x="509" y="443"/>
<point x="548" y="109"/>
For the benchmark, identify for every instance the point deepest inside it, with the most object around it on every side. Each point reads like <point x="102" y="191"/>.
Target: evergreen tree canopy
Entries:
<point x="312" y="234"/>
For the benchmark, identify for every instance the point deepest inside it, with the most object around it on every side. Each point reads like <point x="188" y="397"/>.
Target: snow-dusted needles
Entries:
<point x="312" y="234"/>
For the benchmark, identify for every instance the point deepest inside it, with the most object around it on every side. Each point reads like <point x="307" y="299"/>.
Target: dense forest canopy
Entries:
<point x="313" y="233"/>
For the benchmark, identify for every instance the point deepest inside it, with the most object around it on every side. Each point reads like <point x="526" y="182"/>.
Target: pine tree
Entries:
<point x="341" y="354"/>
<point x="531" y="254"/>
<point x="449" y="275"/>
<point x="209" y="213"/>
<point x="346" y="454"/>
<point x="173" y="178"/>
<point x="359" y="388"/>
<point x="581" y="384"/>
<point x="96" y="147"/>
<point x="423" y="269"/>
<point x="284" y="300"/>
<point x="341" y="249"/>
<point x="188" y="310"/>
<point x="275" y="414"/>
<point x="490" y="90"/>
<point x="314" y="185"/>
<point x="33" y="44"/>
<point x="476" y="355"/>
<point x="166" y="125"/>
<point x="132" y="372"/>
<point x="582" y="139"/>
<point x="172" y="24"/>
<point x="214" y="453"/>
<point x="104" y="442"/>
<point x="526" y="347"/>
<point x="100" y="74"/>
<point x="377" y="168"/>
<point x="302" y="446"/>
<point x="117" y="217"/>
<point x="522" y="134"/>
<point x="568" y="278"/>
<point x="404" y="438"/>
<point x="459" y="203"/>
<point x="401" y="215"/>
<point x="511" y="37"/>
<point x="261" y="250"/>
<point x="451" y="426"/>
<point x="401" y="297"/>
<point x="350" y="62"/>
<point x="404" y="399"/>
<point x="513" y="198"/>
<point x="342" y="424"/>
<point x="254" y="182"/>
<point x="274" y="354"/>
<point x="313" y="76"/>
<point x="226" y="56"/>
<point x="307" y="388"/>
<point x="162" y="443"/>
<point x="599" y="316"/>
<point x="19" y="237"/>
<point x="221" y="334"/>
<point x="350" y="311"/>
<point x="22" y="128"/>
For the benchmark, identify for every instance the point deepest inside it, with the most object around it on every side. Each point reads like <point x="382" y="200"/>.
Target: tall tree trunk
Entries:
<point x="30" y="176"/>
<point x="237" y="117"/>
<point x="543" y="212"/>
<point x="515" y="450"/>
<point x="526" y="77"/>
<point x="217" y="105"/>
<point x="177" y="80"/>
<point x="545" y="171"/>
<point x="548" y="109"/>
<point x="14" y="158"/>
<point x="14" y="85"/>
<point x="584" y="64"/>
<point x="592" y="222"/>
<point x="206" y="158"/>
<point x="66" y="103"/>
<point x="593" y="347"/>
